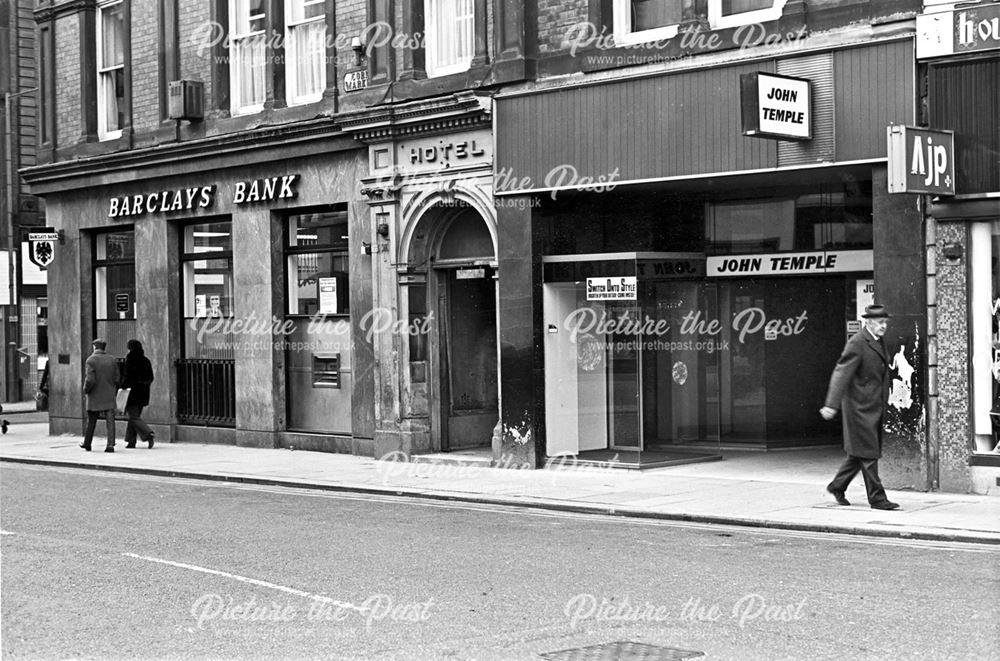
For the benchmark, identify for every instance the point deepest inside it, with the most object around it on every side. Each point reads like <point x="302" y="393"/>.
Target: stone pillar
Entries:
<point x="518" y="318"/>
<point x="900" y="285"/>
<point x="69" y="276"/>
<point x="159" y="316"/>
<point x="260" y="364"/>
<point x="953" y="422"/>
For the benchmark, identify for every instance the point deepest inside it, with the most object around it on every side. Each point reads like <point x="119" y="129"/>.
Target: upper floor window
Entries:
<point x="247" y="53"/>
<point x="450" y="36"/>
<point x="110" y="69"/>
<point x="733" y="13"/>
<point x="305" y="50"/>
<point x="641" y="21"/>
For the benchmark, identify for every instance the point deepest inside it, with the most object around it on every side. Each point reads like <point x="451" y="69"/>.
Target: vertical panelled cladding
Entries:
<point x="965" y="98"/>
<point x="555" y="18"/>
<point x="68" y="114"/>
<point x="664" y="126"/>
<point x="873" y="88"/>
<point x="818" y="70"/>
<point x="145" y="64"/>
<point x="195" y="32"/>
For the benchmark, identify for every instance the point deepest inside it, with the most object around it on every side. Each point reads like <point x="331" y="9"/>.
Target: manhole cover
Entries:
<point x="622" y="651"/>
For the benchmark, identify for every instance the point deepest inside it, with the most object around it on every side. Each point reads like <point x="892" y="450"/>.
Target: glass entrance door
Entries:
<point x="633" y="379"/>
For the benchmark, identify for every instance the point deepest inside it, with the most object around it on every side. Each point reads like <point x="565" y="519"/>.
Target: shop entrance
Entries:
<point x="461" y="356"/>
<point x="643" y="356"/>
<point x="628" y="381"/>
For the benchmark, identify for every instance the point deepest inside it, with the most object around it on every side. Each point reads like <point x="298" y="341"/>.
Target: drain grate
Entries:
<point x="622" y="651"/>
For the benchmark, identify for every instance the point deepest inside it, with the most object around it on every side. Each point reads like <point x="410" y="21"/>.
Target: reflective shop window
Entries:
<point x="824" y="220"/>
<point x="985" y="319"/>
<point x="114" y="289"/>
<point x="207" y="282"/>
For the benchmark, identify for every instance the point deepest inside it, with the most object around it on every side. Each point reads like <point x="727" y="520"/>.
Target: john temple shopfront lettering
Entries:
<point x="202" y="197"/>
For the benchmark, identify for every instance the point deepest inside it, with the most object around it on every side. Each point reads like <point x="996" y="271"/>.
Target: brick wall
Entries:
<point x="555" y="18"/>
<point x="195" y="33"/>
<point x="145" y="65"/>
<point x="953" y="361"/>
<point x="67" y="55"/>
<point x="352" y="19"/>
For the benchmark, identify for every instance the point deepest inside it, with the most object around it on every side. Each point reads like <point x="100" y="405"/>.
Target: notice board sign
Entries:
<point x="612" y="289"/>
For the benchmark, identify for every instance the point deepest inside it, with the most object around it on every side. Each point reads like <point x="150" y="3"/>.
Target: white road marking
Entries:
<point x="7" y="532"/>
<point x="252" y="581"/>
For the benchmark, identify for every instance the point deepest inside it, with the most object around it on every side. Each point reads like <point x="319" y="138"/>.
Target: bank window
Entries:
<point x="110" y="69"/>
<point x="114" y="289"/>
<point x="450" y="38"/>
<point x="733" y="13"/>
<point x="641" y="21"/>
<point x="247" y="55"/>
<point x="305" y="69"/>
<point x="317" y="264"/>
<point x="207" y="282"/>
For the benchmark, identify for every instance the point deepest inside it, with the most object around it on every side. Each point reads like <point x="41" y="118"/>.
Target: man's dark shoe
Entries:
<point x="838" y="495"/>
<point x="130" y="445"/>
<point x="109" y="449"/>
<point x="152" y="437"/>
<point x="3" y="425"/>
<point x="85" y="447"/>
<point x="885" y="505"/>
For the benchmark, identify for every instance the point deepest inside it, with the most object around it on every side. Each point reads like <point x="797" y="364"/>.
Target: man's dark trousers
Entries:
<point x="92" y="416"/>
<point x="868" y="469"/>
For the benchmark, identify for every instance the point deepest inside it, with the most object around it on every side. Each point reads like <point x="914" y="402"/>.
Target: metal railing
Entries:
<point x="206" y="391"/>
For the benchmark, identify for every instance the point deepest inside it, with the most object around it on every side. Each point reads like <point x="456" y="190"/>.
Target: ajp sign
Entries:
<point x="921" y="161"/>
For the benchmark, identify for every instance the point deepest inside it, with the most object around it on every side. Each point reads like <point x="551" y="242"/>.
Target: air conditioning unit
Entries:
<point x="186" y="100"/>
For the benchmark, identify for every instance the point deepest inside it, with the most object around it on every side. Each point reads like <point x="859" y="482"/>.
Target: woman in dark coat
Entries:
<point x="138" y="377"/>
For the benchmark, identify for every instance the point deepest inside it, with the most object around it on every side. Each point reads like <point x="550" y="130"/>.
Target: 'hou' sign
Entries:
<point x="775" y="106"/>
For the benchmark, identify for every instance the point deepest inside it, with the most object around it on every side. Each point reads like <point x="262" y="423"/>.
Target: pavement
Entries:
<point x="777" y="490"/>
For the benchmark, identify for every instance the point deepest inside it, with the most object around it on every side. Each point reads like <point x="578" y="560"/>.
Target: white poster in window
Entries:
<point x="200" y="305"/>
<point x="327" y="296"/>
<point x="866" y="295"/>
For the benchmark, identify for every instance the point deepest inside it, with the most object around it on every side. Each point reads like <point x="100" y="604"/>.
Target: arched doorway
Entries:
<point x="456" y="248"/>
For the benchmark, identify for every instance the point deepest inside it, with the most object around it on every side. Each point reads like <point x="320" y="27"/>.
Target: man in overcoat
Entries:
<point x="100" y="386"/>
<point x="859" y="388"/>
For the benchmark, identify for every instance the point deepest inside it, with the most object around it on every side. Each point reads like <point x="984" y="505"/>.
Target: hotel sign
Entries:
<point x="775" y="106"/>
<point x="967" y="30"/>
<point x="800" y="263"/>
<point x="921" y="161"/>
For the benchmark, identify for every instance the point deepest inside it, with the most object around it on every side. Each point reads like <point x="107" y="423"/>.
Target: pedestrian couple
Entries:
<point x="101" y="389"/>
<point x="860" y="388"/>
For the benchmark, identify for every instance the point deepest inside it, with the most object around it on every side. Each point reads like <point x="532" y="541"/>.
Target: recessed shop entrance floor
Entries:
<point x="633" y="460"/>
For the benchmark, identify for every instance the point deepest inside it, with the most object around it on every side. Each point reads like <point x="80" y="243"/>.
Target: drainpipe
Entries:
<point x="933" y="437"/>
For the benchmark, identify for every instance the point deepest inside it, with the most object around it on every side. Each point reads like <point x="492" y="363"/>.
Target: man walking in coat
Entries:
<point x="100" y="386"/>
<point x="860" y="387"/>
